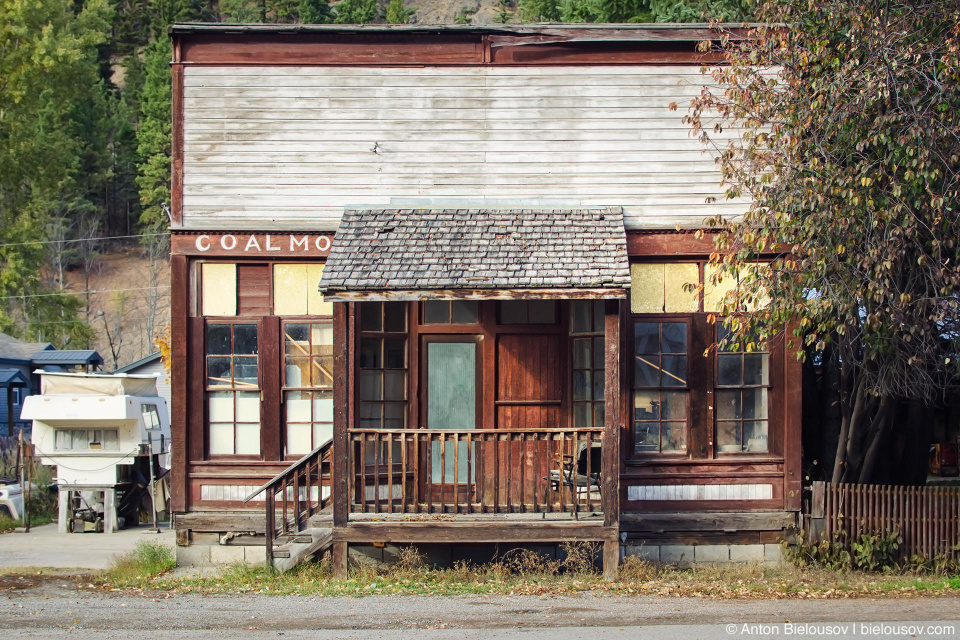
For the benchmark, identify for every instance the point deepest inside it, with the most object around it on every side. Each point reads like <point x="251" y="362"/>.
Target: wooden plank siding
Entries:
<point x="294" y="145"/>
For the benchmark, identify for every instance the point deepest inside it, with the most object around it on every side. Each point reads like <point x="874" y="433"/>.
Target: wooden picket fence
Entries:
<point x="928" y="518"/>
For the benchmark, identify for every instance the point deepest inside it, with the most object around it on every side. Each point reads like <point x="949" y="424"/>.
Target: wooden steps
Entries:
<point x="291" y="550"/>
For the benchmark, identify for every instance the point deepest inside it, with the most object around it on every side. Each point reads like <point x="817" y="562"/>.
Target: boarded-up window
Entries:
<point x="714" y="292"/>
<point x="253" y="290"/>
<point x="295" y="291"/>
<point x="218" y="289"/>
<point x="659" y="287"/>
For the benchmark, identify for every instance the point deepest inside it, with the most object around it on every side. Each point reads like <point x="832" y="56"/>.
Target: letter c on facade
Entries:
<point x="203" y="243"/>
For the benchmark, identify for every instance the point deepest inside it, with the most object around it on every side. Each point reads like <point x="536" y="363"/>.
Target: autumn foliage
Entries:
<point x="847" y="147"/>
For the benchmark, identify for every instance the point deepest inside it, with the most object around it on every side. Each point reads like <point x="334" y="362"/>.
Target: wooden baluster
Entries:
<point x="403" y="472"/>
<point x="362" y="476"/>
<point x="270" y="528"/>
<point x="390" y="472"/>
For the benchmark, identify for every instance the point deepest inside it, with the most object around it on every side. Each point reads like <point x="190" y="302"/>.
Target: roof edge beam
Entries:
<point x="476" y="294"/>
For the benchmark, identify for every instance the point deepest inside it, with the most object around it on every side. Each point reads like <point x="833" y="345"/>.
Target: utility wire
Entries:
<point x="81" y="293"/>
<point x="24" y="244"/>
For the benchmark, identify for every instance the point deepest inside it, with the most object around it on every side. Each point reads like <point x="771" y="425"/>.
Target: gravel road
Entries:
<point x="54" y="607"/>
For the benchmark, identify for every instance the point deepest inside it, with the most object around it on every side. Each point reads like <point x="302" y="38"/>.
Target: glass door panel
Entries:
<point x="451" y="374"/>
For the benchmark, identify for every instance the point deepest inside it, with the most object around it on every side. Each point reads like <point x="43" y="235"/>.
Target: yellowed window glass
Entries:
<point x="218" y="289"/>
<point x="316" y="306"/>
<point x="675" y="276"/>
<point x="290" y="289"/>
<point x="658" y="287"/>
<point x="713" y="294"/>
<point x="646" y="288"/>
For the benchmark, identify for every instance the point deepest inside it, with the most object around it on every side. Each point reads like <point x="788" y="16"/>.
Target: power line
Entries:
<point x="24" y="244"/>
<point x="81" y="293"/>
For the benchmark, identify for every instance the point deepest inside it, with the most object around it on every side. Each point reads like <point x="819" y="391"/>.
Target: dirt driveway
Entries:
<point x="44" y="547"/>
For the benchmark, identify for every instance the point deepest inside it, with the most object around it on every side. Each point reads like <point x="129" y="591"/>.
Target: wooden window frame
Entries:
<point x="592" y="335"/>
<point x="284" y="388"/>
<point x="232" y="321"/>
<point x="771" y="351"/>
<point x="382" y="335"/>
<point x="688" y="388"/>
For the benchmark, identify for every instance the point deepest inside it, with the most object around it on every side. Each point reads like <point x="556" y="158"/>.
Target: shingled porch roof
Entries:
<point x="415" y="254"/>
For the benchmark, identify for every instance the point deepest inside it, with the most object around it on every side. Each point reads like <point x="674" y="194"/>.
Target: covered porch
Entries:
<point x="480" y="351"/>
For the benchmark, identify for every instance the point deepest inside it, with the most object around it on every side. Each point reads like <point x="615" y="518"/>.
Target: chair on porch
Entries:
<point x="576" y="474"/>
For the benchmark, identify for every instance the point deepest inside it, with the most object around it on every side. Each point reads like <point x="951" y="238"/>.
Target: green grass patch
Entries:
<point x="524" y="572"/>
<point x="148" y="560"/>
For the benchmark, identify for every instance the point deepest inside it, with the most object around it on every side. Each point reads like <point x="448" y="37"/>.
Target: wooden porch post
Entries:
<point x="340" y="461"/>
<point x="611" y="438"/>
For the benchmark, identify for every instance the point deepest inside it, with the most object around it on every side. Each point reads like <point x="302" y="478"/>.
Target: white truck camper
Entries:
<point x="109" y="437"/>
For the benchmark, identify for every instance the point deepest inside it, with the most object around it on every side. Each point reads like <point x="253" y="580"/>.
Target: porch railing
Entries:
<point x="928" y="518"/>
<point x="475" y="470"/>
<point x="302" y="490"/>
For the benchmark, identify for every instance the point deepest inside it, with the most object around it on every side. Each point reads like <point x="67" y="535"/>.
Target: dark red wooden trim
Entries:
<point x="331" y="49"/>
<point x="611" y="428"/>
<point x="341" y="394"/>
<point x="271" y="368"/>
<point x="792" y="421"/>
<point x="176" y="142"/>
<point x="196" y="424"/>
<point x="672" y="243"/>
<point x="251" y="244"/>
<point x="700" y="383"/>
<point x="179" y="311"/>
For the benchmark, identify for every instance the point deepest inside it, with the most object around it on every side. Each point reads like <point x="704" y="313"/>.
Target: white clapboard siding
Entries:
<point x="293" y="145"/>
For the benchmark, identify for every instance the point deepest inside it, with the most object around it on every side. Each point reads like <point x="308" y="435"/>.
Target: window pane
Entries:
<point x="646" y="437"/>
<point x="393" y="416"/>
<point x="110" y="440"/>
<point x="598" y="354"/>
<point x="542" y="311"/>
<point x="513" y="312"/>
<point x="451" y="385"/>
<point x="598" y="311"/>
<point x="674" y="371"/>
<point x="394" y="385"/>
<point x="754" y="403"/>
<point x="298" y="438"/>
<point x="729" y="369"/>
<point x="581" y="315"/>
<point x="218" y="339"/>
<point x="371" y="316"/>
<point x="297" y="371"/>
<point x="370" y="385"/>
<point x="245" y="371"/>
<point x="370" y="352"/>
<point x="323" y="406"/>
<point x="394" y="316"/>
<point x="436" y="312"/>
<point x="646" y="372"/>
<point x="221" y="439"/>
<point x="755" y="435"/>
<point x="218" y="372"/>
<point x="755" y="368"/>
<point x="598" y="415"/>
<point x="248" y="438"/>
<point x="728" y="437"/>
<point x="321" y="335"/>
<point x="466" y="311"/>
<point x="581" y="385"/>
<point x="581" y="415"/>
<point x="323" y="371"/>
<point x="581" y="353"/>
<point x="646" y="337"/>
<point x="248" y="406"/>
<point x="296" y="339"/>
<point x="674" y="337"/>
<point x="245" y="339"/>
<point x="728" y="405"/>
<point x="370" y="415"/>
<point x="322" y="433"/>
<point x="598" y="382"/>
<point x="298" y="406"/>
<point x="220" y="406"/>
<point x="394" y="352"/>
<point x="673" y="437"/>
<point x="673" y="405"/>
<point x="646" y="405"/>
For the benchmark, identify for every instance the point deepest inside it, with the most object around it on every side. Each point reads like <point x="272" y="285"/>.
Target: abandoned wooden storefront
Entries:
<point x="428" y="286"/>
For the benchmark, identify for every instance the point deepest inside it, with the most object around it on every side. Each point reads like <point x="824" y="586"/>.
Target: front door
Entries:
<point x="452" y="388"/>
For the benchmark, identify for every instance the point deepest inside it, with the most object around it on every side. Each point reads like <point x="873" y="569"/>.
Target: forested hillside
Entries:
<point x="85" y="143"/>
